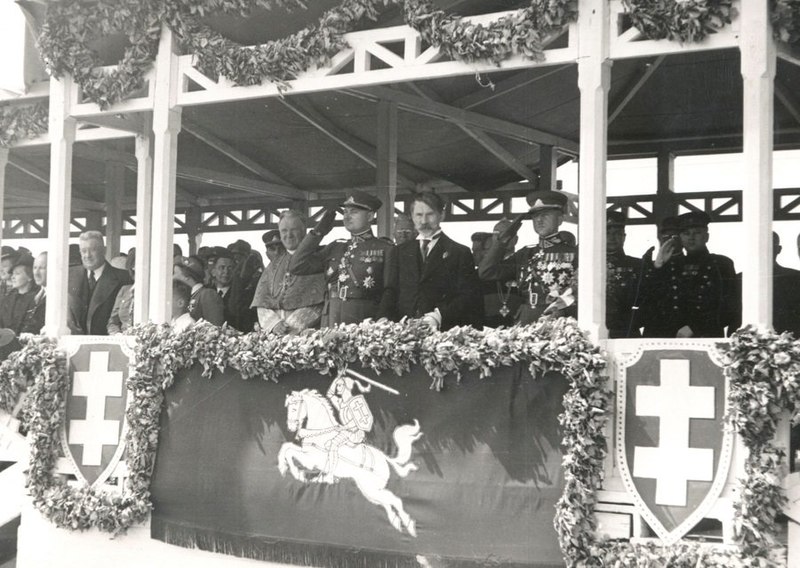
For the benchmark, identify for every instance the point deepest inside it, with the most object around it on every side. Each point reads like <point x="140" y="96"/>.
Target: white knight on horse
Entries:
<point x="354" y="416"/>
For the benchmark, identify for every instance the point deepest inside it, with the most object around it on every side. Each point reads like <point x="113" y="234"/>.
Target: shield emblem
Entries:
<point x="357" y="409"/>
<point x="94" y="427"/>
<point x="672" y="447"/>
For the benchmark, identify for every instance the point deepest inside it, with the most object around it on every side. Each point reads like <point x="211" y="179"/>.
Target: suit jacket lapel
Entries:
<point x="102" y="290"/>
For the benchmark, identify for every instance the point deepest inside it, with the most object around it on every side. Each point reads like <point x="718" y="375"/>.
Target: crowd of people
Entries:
<point x="678" y="289"/>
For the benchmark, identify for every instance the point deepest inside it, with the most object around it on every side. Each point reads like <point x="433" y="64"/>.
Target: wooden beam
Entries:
<point x="787" y="99"/>
<point x="362" y="150"/>
<point x="229" y="151"/>
<point x="489" y="144"/>
<point x="239" y="183"/>
<point x="33" y="171"/>
<point x="452" y="114"/>
<point x="631" y="92"/>
<point x="126" y="123"/>
<point x="496" y="150"/>
<point x="516" y="81"/>
<point x="204" y="175"/>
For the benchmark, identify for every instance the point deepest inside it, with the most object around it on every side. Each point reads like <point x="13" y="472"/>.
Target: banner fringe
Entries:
<point x="284" y="551"/>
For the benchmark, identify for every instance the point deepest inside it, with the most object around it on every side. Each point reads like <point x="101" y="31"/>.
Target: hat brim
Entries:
<point x="537" y="208"/>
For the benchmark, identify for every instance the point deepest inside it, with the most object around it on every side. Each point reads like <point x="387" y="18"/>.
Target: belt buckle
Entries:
<point x="533" y="298"/>
<point x="343" y="292"/>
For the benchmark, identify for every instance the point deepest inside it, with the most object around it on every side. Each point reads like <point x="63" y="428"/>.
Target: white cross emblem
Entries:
<point x="94" y="432"/>
<point x="673" y="463"/>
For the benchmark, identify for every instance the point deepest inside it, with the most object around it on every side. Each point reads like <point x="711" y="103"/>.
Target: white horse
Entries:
<point x="311" y="416"/>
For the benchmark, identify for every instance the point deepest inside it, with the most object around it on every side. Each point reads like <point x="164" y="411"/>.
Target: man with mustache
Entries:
<point x="437" y="276"/>
<point x="546" y="274"/>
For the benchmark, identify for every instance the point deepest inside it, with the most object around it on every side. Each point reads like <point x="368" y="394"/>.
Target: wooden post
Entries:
<point x="548" y="167"/>
<point x="594" y="79"/>
<point x="664" y="205"/>
<point x="386" y="178"/>
<point x="166" y="126"/>
<point x="3" y="164"/>
<point x="144" y="222"/>
<point x="115" y="189"/>
<point x="758" y="63"/>
<point x="62" y="137"/>
<point x="193" y="221"/>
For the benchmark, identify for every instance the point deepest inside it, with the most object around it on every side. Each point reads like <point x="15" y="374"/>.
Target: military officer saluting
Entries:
<point x="545" y="273"/>
<point x="622" y="280"/>
<point x="691" y="295"/>
<point x="361" y="272"/>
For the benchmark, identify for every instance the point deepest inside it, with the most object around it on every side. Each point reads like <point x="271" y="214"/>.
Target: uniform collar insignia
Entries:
<point x="552" y="240"/>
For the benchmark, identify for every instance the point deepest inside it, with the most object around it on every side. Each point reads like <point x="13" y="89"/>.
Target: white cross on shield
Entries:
<point x="93" y="430"/>
<point x="672" y="448"/>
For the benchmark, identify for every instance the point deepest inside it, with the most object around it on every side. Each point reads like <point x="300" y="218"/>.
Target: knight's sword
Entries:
<point x="361" y="377"/>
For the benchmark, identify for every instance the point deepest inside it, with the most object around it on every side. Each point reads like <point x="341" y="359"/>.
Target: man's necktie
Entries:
<point x="426" y="246"/>
<point x="92" y="282"/>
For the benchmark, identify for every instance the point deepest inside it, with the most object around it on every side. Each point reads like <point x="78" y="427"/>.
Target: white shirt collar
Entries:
<point x="433" y="238"/>
<point x="98" y="272"/>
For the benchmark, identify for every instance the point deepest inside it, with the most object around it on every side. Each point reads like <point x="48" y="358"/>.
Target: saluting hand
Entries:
<point x="670" y="248"/>
<point x="325" y="224"/>
<point x="510" y="232"/>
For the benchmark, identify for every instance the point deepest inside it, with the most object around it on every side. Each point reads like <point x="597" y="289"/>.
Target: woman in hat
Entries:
<point x="22" y="296"/>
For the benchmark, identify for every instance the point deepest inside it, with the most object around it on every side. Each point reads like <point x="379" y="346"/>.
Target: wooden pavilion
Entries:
<point x="394" y="115"/>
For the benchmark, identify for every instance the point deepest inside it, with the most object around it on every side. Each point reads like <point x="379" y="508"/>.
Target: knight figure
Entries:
<point x="354" y="417"/>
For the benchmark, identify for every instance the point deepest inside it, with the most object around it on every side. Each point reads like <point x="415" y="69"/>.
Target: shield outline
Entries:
<point x="71" y="345"/>
<point x="669" y="537"/>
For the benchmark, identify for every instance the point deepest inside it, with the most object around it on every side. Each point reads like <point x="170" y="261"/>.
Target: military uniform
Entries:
<point x="697" y="290"/>
<point x="361" y="276"/>
<point x="541" y="272"/>
<point x="622" y="283"/>
<point x="623" y="277"/>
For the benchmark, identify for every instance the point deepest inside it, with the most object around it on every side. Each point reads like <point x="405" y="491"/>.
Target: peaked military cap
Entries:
<point x="8" y="252"/>
<point x="240" y="247"/>
<point x="669" y="225"/>
<point x="192" y="265"/>
<point x="693" y="219"/>
<point x="615" y="219"/>
<point x="271" y="238"/>
<point x="546" y="199"/>
<point x="362" y="200"/>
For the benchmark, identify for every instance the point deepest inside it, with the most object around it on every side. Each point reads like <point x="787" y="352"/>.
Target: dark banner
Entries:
<point x="324" y="472"/>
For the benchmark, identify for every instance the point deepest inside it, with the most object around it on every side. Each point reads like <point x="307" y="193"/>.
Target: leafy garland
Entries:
<point x="523" y="32"/>
<point x="785" y="17"/>
<point x="763" y="368"/>
<point x="383" y="346"/>
<point x="22" y="122"/>
<point x="683" y="21"/>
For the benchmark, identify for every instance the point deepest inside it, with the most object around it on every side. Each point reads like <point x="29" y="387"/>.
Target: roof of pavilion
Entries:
<point x="323" y="143"/>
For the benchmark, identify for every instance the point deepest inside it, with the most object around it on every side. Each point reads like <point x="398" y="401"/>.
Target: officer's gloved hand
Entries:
<point x="510" y="232"/>
<point x="325" y="224"/>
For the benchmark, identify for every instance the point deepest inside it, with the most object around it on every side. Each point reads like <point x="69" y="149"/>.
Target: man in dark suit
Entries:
<point x="235" y="296"/>
<point x="93" y="287"/>
<point x="437" y="279"/>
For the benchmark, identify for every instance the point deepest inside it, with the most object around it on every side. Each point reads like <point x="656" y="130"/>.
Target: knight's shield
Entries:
<point x="356" y="409"/>
<point x="94" y="425"/>
<point x="672" y="447"/>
